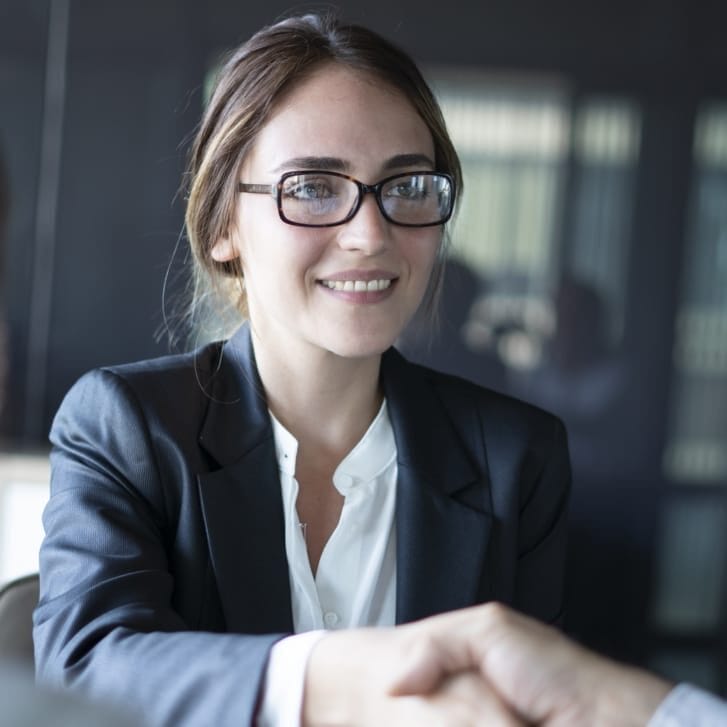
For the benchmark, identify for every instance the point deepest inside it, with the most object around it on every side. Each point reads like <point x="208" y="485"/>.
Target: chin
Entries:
<point x="362" y="346"/>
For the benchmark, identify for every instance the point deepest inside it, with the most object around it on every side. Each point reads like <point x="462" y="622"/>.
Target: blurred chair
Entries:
<point x="18" y="599"/>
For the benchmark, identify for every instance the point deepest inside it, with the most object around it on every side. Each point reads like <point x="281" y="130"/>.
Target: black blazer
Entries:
<point x="164" y="579"/>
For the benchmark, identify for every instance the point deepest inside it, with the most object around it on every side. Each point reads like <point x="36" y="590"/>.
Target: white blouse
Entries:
<point x="355" y="584"/>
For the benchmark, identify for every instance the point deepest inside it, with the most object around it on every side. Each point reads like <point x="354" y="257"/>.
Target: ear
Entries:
<point x="224" y="250"/>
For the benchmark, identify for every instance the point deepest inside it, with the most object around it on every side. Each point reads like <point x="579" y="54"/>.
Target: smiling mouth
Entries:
<point x="357" y="286"/>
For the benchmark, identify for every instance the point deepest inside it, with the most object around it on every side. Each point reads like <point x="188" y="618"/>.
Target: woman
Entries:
<point x="301" y="475"/>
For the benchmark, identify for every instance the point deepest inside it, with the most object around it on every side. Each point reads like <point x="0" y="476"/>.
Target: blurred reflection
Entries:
<point x="581" y="378"/>
<point x="443" y="343"/>
<point x="27" y="705"/>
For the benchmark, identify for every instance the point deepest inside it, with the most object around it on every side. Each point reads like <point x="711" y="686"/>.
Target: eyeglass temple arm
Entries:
<point x="258" y="188"/>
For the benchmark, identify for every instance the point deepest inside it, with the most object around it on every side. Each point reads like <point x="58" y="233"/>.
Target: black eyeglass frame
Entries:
<point x="275" y="191"/>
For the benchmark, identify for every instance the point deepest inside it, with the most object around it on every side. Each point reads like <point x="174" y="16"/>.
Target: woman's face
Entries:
<point x="338" y="120"/>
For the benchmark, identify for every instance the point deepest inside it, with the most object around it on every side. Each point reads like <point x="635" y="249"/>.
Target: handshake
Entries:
<point x="484" y="665"/>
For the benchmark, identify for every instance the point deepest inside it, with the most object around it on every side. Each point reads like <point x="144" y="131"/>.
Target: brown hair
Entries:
<point x="248" y="86"/>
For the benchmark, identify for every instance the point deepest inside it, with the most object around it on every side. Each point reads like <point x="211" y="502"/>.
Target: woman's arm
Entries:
<point x="105" y="624"/>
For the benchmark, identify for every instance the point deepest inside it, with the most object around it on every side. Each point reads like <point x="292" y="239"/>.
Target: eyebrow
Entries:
<point x="335" y="164"/>
<point x="325" y="164"/>
<point x="401" y="161"/>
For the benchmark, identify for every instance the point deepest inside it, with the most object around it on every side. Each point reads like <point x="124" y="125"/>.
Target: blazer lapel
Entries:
<point x="241" y="500"/>
<point x="443" y="512"/>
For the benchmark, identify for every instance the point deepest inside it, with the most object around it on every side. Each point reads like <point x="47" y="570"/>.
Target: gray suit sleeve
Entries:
<point x="688" y="706"/>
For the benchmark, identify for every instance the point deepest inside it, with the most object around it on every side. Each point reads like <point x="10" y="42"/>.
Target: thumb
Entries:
<point x="415" y="677"/>
<point x="429" y="659"/>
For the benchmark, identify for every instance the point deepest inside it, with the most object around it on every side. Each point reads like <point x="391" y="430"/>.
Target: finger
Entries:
<point x="436" y="647"/>
<point x="467" y="700"/>
<point x="420" y="670"/>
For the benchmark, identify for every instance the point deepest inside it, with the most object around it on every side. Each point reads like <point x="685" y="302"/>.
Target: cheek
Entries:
<point x="423" y="253"/>
<point x="279" y="254"/>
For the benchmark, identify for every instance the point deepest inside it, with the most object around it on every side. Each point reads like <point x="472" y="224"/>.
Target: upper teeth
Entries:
<point x="357" y="286"/>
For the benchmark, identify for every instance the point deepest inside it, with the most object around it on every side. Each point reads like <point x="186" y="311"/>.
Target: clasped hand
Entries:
<point x="417" y="674"/>
<point x="485" y="665"/>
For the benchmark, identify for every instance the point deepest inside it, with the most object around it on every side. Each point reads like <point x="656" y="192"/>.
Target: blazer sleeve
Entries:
<point x="105" y="625"/>
<point x="542" y="526"/>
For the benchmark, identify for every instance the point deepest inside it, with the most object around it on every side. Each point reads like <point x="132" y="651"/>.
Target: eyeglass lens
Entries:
<point x="324" y="198"/>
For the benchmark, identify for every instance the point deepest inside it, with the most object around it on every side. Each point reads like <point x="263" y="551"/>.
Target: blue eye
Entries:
<point x="308" y="189"/>
<point x="310" y="198"/>
<point x="409" y="188"/>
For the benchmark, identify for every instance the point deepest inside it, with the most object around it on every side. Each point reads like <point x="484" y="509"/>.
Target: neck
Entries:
<point x="327" y="402"/>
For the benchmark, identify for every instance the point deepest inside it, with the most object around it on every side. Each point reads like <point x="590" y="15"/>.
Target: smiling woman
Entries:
<point x="291" y="273"/>
<point x="214" y="515"/>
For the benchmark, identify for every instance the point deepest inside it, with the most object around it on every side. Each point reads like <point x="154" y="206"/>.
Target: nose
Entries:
<point x="367" y="231"/>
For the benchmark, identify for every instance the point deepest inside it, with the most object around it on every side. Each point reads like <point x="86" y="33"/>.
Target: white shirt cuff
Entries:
<point x="282" y="698"/>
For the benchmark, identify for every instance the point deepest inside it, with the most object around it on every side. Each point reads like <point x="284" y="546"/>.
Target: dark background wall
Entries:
<point x="97" y="101"/>
<point x="131" y="93"/>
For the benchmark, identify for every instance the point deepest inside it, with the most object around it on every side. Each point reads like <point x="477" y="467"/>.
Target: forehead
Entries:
<point x="340" y="113"/>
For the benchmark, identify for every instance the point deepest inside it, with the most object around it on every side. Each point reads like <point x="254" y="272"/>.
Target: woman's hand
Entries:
<point x="350" y="675"/>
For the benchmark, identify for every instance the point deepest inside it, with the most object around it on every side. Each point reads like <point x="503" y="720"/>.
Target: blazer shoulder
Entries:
<point x="202" y="362"/>
<point x="507" y="410"/>
<point x="164" y="388"/>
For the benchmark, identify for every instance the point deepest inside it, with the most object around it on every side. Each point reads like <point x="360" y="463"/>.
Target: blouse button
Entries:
<point x="330" y="619"/>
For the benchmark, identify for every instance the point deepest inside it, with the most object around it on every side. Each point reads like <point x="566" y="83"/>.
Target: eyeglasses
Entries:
<point x="326" y="199"/>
